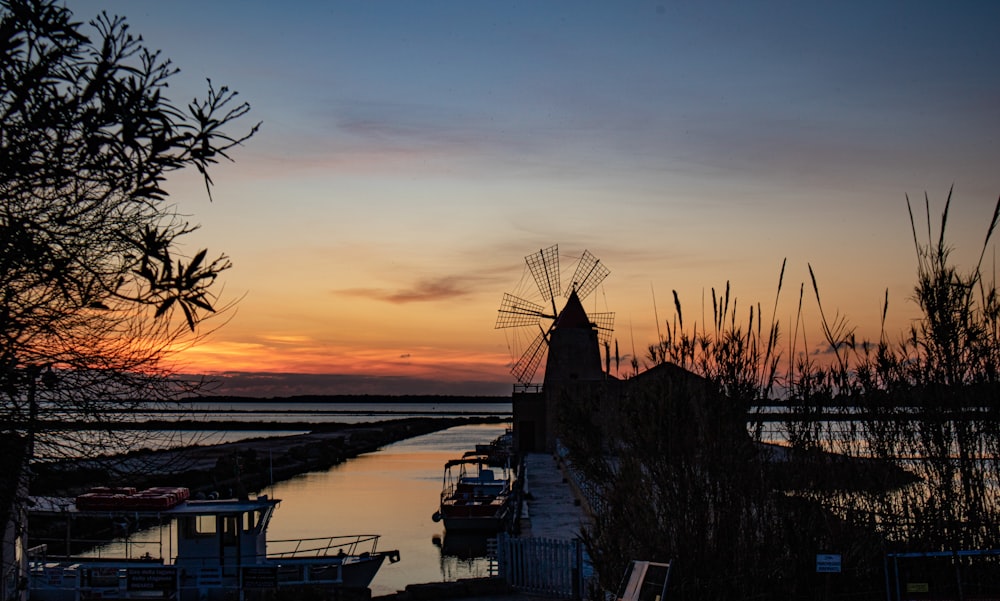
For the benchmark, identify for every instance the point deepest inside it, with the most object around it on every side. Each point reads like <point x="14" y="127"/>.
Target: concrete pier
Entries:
<point x="552" y="509"/>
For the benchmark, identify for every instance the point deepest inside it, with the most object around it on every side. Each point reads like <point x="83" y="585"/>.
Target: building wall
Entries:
<point x="529" y="414"/>
<point x="572" y="368"/>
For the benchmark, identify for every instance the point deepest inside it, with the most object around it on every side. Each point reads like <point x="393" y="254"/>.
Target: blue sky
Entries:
<point x="412" y="153"/>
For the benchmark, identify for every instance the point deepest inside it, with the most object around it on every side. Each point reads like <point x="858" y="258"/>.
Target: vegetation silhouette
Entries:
<point x="889" y="447"/>
<point x="95" y="288"/>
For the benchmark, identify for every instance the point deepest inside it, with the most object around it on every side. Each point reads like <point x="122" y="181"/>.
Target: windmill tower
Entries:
<point x="567" y="338"/>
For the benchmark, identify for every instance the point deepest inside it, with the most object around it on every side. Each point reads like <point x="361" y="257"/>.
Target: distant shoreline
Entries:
<point x="350" y="398"/>
<point x="242" y="426"/>
<point x="189" y="414"/>
<point x="262" y="460"/>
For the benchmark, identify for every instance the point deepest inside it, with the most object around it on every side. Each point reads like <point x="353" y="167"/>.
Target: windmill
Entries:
<point x="516" y="312"/>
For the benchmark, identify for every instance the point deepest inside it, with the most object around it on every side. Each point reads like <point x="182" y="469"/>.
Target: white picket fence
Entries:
<point x="543" y="566"/>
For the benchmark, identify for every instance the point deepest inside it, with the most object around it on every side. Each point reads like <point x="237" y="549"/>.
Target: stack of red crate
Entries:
<point x="109" y="499"/>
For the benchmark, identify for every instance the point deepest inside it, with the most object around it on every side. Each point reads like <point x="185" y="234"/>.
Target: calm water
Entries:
<point x="392" y="492"/>
<point x="294" y="412"/>
<point x="346" y="413"/>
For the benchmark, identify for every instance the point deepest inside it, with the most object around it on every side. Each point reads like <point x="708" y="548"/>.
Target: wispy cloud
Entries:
<point x="422" y="291"/>
<point x="286" y="339"/>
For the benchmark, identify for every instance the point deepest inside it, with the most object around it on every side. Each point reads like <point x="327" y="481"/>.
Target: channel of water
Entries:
<point x="392" y="492"/>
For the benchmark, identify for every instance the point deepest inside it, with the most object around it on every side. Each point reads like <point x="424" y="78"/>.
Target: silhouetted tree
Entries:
<point x="93" y="288"/>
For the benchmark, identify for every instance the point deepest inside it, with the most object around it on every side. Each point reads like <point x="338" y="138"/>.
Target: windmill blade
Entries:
<point x="605" y="323"/>
<point x="526" y="366"/>
<point x="544" y="266"/>
<point x="514" y="311"/>
<point x="589" y="274"/>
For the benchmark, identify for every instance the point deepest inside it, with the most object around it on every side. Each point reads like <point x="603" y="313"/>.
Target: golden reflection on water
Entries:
<point x="392" y="492"/>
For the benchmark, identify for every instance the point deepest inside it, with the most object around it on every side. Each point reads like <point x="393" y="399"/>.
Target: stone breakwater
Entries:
<point x="237" y="467"/>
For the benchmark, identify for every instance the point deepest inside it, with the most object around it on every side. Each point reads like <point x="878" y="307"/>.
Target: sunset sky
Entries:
<point x="413" y="152"/>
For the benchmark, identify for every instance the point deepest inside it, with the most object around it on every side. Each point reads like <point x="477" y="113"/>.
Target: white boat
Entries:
<point x="207" y="549"/>
<point x="474" y="498"/>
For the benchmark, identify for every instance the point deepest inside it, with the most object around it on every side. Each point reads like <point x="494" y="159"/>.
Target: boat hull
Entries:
<point x="73" y="580"/>
<point x="474" y="524"/>
<point x="360" y="574"/>
<point x="476" y="518"/>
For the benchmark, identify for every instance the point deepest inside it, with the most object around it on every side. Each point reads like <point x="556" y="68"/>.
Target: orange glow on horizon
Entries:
<point x="292" y="353"/>
<point x="303" y="358"/>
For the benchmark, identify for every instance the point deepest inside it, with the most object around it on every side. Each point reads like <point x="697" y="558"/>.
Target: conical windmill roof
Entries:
<point x="574" y="355"/>
<point x="573" y="315"/>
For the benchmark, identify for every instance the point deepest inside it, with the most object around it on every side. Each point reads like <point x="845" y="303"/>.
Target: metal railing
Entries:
<point x="543" y="566"/>
<point x="359" y="544"/>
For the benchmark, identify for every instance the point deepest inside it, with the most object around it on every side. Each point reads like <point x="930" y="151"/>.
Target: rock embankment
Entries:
<point x="236" y="467"/>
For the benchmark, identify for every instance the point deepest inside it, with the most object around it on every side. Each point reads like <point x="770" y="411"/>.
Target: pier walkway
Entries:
<point x="553" y="508"/>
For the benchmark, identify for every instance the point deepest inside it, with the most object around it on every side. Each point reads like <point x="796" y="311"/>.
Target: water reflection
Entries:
<point x="462" y="556"/>
<point x="462" y="545"/>
<point x="392" y="492"/>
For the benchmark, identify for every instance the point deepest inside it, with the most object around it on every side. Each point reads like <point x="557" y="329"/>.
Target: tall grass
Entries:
<point x="742" y="362"/>
<point x="927" y="403"/>
<point x="912" y="467"/>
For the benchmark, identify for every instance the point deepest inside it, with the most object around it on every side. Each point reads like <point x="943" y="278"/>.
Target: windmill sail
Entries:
<point x="544" y="266"/>
<point x="589" y="274"/>
<point x="605" y="323"/>
<point x="526" y="366"/>
<point x="515" y="312"/>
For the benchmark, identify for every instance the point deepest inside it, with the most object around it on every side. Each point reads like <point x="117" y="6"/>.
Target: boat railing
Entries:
<point x="98" y="549"/>
<point x="38" y="552"/>
<point x="360" y="544"/>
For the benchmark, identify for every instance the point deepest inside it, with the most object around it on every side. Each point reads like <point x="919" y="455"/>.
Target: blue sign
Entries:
<point x="828" y="563"/>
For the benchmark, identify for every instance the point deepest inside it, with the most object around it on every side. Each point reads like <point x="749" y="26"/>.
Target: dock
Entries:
<point x="553" y="507"/>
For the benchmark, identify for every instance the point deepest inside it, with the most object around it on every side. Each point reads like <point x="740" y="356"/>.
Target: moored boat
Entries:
<point x="207" y="549"/>
<point x="474" y="498"/>
<point x="500" y="451"/>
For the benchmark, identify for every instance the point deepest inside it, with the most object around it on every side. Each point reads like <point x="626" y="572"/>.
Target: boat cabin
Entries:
<point x="227" y="533"/>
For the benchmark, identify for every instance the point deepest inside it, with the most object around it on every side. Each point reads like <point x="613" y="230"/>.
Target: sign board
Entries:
<point x="260" y="577"/>
<point x="828" y="563"/>
<point x="99" y="577"/>
<point x="151" y="579"/>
